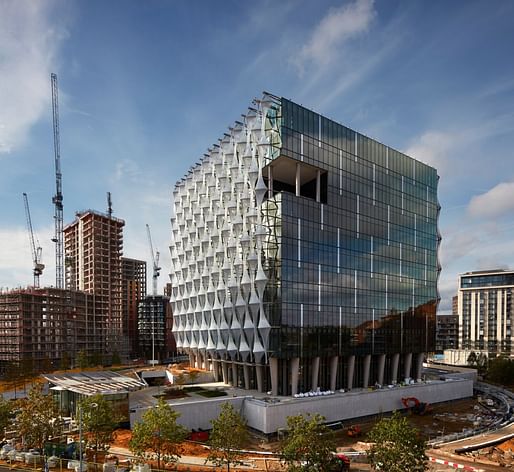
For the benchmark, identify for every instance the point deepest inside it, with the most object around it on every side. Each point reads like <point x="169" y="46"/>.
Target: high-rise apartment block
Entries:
<point x="93" y="246"/>
<point x="304" y="255"/>
<point x="447" y="332"/>
<point x="133" y="290"/>
<point x="485" y="309"/>
<point x="155" y="322"/>
<point x="45" y="328"/>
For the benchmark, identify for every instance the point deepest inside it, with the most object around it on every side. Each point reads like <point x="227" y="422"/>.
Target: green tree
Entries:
<point x="64" y="363"/>
<point x="158" y="435"/>
<point x="81" y="360"/>
<point x="227" y="438"/>
<point x="39" y="418"/>
<point x="116" y="359"/>
<point x="5" y="414"/>
<point x="501" y="371"/>
<point x="397" y="446"/>
<point x="309" y="444"/>
<point x="99" y="421"/>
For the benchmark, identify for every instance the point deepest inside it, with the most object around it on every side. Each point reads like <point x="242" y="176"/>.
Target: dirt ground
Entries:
<point x="444" y="419"/>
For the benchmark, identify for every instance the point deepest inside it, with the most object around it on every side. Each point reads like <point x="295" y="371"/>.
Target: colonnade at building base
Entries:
<point x="299" y="375"/>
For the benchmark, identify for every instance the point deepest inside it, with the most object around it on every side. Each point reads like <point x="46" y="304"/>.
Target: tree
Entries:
<point x="5" y="414"/>
<point x="397" y="446"/>
<point x="99" y="421"/>
<point x="116" y="359"/>
<point x="158" y="435"/>
<point x="227" y="438"/>
<point x="501" y="371"/>
<point x="478" y="361"/>
<point x="64" y="363"/>
<point x="39" y="418"/>
<point x="81" y="360"/>
<point x="309" y="445"/>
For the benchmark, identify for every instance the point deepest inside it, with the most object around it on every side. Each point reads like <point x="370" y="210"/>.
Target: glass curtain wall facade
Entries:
<point x="322" y="256"/>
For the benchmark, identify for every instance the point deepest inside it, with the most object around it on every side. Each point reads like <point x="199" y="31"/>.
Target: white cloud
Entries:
<point x="497" y="201"/>
<point x="433" y="148"/>
<point x="16" y="257"/>
<point x="28" y="47"/>
<point x="338" y="26"/>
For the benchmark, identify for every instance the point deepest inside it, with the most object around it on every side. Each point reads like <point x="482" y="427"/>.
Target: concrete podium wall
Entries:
<point x="268" y="417"/>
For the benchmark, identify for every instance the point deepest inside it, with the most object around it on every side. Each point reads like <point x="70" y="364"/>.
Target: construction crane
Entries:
<point x="109" y="205"/>
<point x="34" y="245"/>
<point x="57" y="198"/>
<point x="155" y="276"/>
<point x="155" y="262"/>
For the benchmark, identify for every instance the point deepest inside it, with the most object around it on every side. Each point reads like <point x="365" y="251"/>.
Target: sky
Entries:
<point x="145" y="87"/>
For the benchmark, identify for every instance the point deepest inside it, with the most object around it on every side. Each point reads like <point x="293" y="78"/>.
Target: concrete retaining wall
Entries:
<point x="268" y="417"/>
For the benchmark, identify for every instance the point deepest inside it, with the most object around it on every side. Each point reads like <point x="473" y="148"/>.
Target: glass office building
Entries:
<point x="305" y="256"/>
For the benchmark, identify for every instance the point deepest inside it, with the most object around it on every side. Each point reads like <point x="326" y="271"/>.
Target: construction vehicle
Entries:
<point x="35" y="247"/>
<point x="415" y="406"/>
<point x="340" y="463"/>
<point x="354" y="431"/>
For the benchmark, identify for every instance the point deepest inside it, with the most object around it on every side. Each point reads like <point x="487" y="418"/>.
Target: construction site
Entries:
<point x="92" y="308"/>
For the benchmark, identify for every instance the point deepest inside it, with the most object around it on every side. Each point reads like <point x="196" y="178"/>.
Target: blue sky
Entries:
<point x="146" y="87"/>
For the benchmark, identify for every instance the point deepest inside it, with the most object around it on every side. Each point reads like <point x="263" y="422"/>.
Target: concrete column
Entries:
<point x="273" y="367"/>
<point x="318" y="185"/>
<point x="295" y="370"/>
<point x="298" y="179"/>
<point x="260" y="381"/>
<point x="419" y="365"/>
<point x="224" y="371"/>
<point x="407" y="365"/>
<point x="191" y="360"/>
<point x="215" y="370"/>
<point x="246" y="373"/>
<point x="381" y="367"/>
<point x="199" y="360"/>
<point x="350" y="371"/>
<point x="365" y="374"/>
<point x="395" y="362"/>
<point x="234" y="374"/>
<point x="333" y="372"/>
<point x="315" y="374"/>
<point x="270" y="181"/>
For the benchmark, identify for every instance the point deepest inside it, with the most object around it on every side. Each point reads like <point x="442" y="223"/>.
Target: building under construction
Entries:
<point x="93" y="246"/>
<point x="133" y="291"/>
<point x="45" y="328"/>
<point x="155" y="322"/>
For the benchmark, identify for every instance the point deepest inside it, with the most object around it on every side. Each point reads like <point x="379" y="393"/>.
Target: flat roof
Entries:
<point x="92" y="383"/>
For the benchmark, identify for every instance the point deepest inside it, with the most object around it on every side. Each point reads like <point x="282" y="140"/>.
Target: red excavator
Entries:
<point x="354" y="431"/>
<point x="415" y="406"/>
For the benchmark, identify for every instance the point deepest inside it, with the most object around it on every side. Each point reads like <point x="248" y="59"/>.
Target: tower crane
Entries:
<point x="34" y="245"/>
<point x="57" y="198"/>
<point x="155" y="262"/>
<point x="155" y="276"/>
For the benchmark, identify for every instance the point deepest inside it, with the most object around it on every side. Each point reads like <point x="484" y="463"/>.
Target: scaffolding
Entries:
<point x="44" y="328"/>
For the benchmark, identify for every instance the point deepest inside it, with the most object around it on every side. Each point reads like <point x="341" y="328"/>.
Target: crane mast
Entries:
<point x="35" y="249"/>
<point x="155" y="262"/>
<point x="57" y="198"/>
